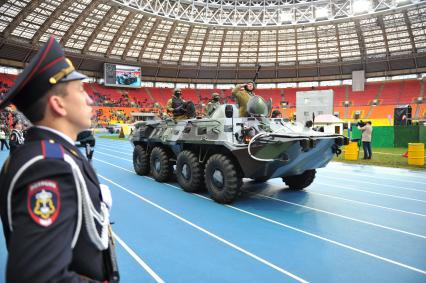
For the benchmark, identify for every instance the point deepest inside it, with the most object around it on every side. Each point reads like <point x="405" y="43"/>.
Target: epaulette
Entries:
<point x="52" y="150"/>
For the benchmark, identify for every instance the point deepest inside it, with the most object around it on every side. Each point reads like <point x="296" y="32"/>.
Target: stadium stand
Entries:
<point x="114" y="105"/>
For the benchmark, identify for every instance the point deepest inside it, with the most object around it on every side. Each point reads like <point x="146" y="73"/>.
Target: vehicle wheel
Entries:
<point x="159" y="163"/>
<point x="299" y="182"/>
<point x="140" y="160"/>
<point x="222" y="179"/>
<point x="189" y="172"/>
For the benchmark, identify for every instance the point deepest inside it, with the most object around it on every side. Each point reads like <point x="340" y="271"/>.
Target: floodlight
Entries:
<point x="321" y="13"/>
<point x="361" y="6"/>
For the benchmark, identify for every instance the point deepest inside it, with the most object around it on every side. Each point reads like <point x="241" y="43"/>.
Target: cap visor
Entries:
<point x="74" y="76"/>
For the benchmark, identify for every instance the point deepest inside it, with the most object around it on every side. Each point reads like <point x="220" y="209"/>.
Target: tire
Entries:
<point x="299" y="182"/>
<point x="227" y="189"/>
<point x="161" y="168"/>
<point x="189" y="172"/>
<point x="140" y="160"/>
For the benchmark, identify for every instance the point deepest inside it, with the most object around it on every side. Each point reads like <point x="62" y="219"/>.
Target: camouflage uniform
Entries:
<point x="213" y="104"/>
<point x="242" y="96"/>
<point x="175" y="106"/>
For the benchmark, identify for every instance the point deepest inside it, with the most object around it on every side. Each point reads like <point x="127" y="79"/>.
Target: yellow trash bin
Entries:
<point x="351" y="151"/>
<point x="416" y="154"/>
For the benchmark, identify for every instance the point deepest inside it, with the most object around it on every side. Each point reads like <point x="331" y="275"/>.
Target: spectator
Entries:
<point x="367" y="131"/>
<point x="3" y="138"/>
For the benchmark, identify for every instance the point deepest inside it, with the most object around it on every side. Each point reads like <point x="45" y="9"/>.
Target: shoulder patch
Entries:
<point x="43" y="202"/>
<point x="52" y="150"/>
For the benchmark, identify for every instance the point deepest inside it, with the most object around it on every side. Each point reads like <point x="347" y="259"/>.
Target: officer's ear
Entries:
<point x="55" y="101"/>
<point x="56" y="104"/>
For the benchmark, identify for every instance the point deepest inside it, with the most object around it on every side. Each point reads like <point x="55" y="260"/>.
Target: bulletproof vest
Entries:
<point x="176" y="102"/>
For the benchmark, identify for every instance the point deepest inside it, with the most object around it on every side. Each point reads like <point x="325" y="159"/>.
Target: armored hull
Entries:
<point x="215" y="153"/>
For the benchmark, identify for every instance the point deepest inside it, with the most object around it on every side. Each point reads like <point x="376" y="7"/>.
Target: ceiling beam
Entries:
<point x="225" y="32"/>
<point x="185" y="43"/>
<point x="258" y="47"/>
<point x="167" y="41"/>
<point x="108" y="16"/>
<point x="203" y="46"/>
<point x="148" y="38"/>
<point x="83" y="15"/>
<point x="338" y="47"/>
<point x="133" y="36"/>
<point x="385" y="38"/>
<point x="239" y="47"/>
<point x="361" y="41"/>
<point x="32" y="5"/>
<point x="120" y="32"/>
<point x="50" y="20"/>
<point x="410" y="32"/>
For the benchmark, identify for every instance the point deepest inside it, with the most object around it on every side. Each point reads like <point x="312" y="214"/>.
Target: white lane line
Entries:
<point x="345" y="217"/>
<point x="372" y="183"/>
<point x="273" y="266"/>
<point x="365" y="191"/>
<point x="138" y="259"/>
<point x="383" y="170"/>
<point x="368" y="204"/>
<point x="405" y="179"/>
<point x="365" y="203"/>
<point x="114" y="165"/>
<point x="114" y="145"/>
<point x="121" y="152"/>
<point x="306" y="233"/>
<point x="332" y="241"/>
<point x="320" y="183"/>
<point x="107" y="154"/>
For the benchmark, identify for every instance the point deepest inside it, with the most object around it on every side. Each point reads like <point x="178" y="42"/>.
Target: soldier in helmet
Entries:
<point x="176" y="105"/>
<point x="276" y="114"/>
<point x="213" y="104"/>
<point x="242" y="94"/>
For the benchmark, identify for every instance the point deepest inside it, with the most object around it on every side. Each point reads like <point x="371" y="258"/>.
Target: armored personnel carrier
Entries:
<point x="217" y="152"/>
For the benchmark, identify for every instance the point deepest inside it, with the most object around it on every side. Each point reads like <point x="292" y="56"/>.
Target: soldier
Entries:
<point x="276" y="114"/>
<point x="176" y="105"/>
<point x="55" y="214"/>
<point x="213" y="104"/>
<point x="242" y="93"/>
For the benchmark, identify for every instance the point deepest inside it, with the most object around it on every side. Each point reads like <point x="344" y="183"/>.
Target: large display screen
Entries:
<point x="122" y="75"/>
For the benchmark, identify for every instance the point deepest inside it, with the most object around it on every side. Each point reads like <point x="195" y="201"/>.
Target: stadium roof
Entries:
<point x="223" y="40"/>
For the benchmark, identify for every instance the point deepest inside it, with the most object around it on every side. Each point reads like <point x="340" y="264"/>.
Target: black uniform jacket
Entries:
<point x="44" y="216"/>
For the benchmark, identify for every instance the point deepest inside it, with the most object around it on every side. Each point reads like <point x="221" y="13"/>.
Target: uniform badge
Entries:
<point x="43" y="202"/>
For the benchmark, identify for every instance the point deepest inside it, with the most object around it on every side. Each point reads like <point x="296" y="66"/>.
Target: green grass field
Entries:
<point x="388" y="157"/>
<point x="113" y="138"/>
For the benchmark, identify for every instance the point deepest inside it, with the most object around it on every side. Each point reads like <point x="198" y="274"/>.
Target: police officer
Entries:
<point x="213" y="104"/>
<point x="55" y="214"/>
<point x="176" y="105"/>
<point x="242" y="94"/>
